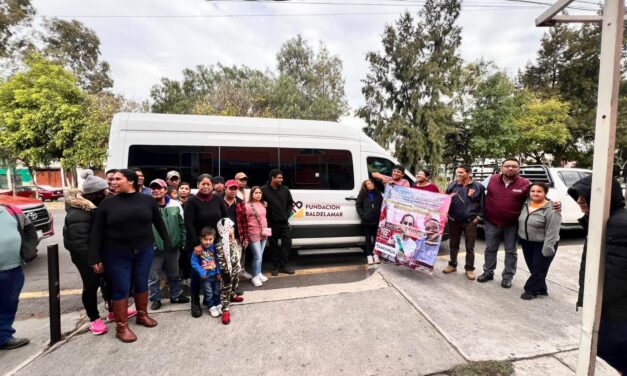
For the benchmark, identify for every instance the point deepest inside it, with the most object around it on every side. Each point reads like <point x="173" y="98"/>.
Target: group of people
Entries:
<point x="122" y="235"/>
<point x="515" y="210"/>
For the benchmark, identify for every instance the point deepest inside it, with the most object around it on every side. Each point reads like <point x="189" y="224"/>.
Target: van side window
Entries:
<point x="255" y="162"/>
<point x="191" y="161"/>
<point x="569" y="177"/>
<point x="380" y="165"/>
<point x="317" y="169"/>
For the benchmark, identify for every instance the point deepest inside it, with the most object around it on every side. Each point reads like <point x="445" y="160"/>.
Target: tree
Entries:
<point x="542" y="125"/>
<point x="411" y="81"/>
<point x="77" y="48"/>
<point x="45" y="116"/>
<point x="13" y="15"/>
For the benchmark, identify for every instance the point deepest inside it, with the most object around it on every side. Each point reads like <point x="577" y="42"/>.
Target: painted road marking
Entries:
<point x="310" y="271"/>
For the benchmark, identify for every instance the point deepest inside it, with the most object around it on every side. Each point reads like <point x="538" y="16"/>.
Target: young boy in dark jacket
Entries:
<point x="205" y="264"/>
<point x="612" y="341"/>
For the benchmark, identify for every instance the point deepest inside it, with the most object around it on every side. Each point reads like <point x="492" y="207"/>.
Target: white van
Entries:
<point x="324" y="163"/>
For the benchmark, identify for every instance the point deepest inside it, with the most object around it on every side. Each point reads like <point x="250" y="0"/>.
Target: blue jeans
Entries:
<point x="170" y="262"/>
<point x="211" y="291"/>
<point x="126" y="268"/>
<point x="257" y="249"/>
<point x="11" y="283"/>
<point x="493" y="236"/>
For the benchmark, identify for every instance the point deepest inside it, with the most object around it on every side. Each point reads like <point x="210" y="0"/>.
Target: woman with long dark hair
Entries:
<point x="201" y="210"/>
<point x="122" y="245"/>
<point x="368" y="205"/>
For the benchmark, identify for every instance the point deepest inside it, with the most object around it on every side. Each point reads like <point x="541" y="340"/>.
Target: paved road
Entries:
<point x="34" y="301"/>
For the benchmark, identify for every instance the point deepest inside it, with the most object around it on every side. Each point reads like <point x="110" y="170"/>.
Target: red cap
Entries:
<point x="231" y="183"/>
<point x="158" y="182"/>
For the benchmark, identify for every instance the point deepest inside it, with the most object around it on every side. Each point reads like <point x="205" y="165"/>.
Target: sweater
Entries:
<point x="202" y="212"/>
<point x="206" y="264"/>
<point x="429" y="187"/>
<point x="253" y="225"/>
<point x="172" y="215"/>
<point x="541" y="225"/>
<point x="503" y="203"/>
<point x="124" y="221"/>
<point x="10" y="240"/>
<point x="280" y="203"/>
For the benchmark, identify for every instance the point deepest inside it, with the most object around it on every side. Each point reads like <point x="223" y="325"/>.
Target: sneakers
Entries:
<point x="449" y="269"/>
<point x="130" y="313"/>
<point x="370" y="260"/>
<point x="256" y="281"/>
<point x="155" y="305"/>
<point x="226" y="317"/>
<point x="213" y="311"/>
<point x="506" y="283"/>
<point x="376" y="259"/>
<point x="245" y="275"/>
<point x="14" y="343"/>
<point x="180" y="299"/>
<point x="485" y="278"/>
<point x="97" y="327"/>
<point x="262" y="277"/>
<point x="237" y="299"/>
<point x="471" y="275"/>
<point x="527" y="296"/>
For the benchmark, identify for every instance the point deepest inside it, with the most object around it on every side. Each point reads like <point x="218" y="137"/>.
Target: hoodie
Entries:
<point x="615" y="283"/>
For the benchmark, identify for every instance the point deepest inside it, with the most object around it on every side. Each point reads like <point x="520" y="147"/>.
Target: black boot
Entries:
<point x="196" y="309"/>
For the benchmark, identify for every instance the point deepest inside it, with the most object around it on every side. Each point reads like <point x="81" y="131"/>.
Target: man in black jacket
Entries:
<point x="464" y="214"/>
<point x="280" y="203"/>
<point x="612" y="343"/>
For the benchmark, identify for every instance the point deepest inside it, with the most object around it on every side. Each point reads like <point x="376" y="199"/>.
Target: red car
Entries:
<point x="47" y="192"/>
<point x="35" y="211"/>
<point x="23" y="191"/>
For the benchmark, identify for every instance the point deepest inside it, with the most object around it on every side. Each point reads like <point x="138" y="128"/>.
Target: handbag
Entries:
<point x="265" y="231"/>
<point x="28" y="252"/>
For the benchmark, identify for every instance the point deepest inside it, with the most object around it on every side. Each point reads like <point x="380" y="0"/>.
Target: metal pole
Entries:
<point x="604" y="142"/>
<point x="54" y="293"/>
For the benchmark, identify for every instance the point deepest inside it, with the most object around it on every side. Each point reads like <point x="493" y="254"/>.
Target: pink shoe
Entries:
<point x="130" y="313"/>
<point x="97" y="327"/>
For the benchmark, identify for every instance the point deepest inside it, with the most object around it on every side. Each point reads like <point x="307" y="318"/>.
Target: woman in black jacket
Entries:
<point x="368" y="206"/>
<point x="76" y="232"/>
<point x="122" y="245"/>
<point x="612" y="341"/>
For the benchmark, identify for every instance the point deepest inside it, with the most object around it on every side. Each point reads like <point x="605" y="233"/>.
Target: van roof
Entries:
<point x="224" y="124"/>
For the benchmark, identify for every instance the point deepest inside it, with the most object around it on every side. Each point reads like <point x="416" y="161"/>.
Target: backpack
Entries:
<point x="28" y="252"/>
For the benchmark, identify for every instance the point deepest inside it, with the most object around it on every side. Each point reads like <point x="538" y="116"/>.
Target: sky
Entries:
<point x="144" y="40"/>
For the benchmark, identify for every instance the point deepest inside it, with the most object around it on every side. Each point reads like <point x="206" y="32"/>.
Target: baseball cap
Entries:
<point x="172" y="173"/>
<point x="231" y="183"/>
<point x="158" y="182"/>
<point x="240" y="175"/>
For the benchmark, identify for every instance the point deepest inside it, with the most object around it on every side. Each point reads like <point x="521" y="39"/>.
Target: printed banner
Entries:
<point x="411" y="226"/>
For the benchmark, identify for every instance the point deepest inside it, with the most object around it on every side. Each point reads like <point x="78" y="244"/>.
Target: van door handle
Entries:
<point x="350" y="198"/>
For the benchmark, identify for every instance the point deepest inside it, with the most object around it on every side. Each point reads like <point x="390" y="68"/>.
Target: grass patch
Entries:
<point x="487" y="368"/>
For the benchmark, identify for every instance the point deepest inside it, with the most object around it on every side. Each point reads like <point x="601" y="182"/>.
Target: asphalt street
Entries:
<point x="318" y="270"/>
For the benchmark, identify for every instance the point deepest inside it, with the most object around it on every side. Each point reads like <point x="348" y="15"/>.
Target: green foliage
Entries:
<point x="484" y="368"/>
<point x="410" y="82"/>
<point x="309" y="86"/>
<point x="45" y="116"/>
<point x="77" y="48"/>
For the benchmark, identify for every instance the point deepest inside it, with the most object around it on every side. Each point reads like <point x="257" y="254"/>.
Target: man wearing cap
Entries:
<point x="173" y="178"/>
<point x="218" y="186"/>
<point x="235" y="208"/>
<point x="242" y="182"/>
<point x="172" y="214"/>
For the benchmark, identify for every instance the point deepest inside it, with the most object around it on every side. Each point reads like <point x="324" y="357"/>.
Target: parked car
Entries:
<point x="35" y="211"/>
<point x="47" y="192"/>
<point x="23" y="191"/>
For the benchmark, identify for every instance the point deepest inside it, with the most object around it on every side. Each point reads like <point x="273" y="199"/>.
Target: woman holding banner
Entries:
<point x="368" y="206"/>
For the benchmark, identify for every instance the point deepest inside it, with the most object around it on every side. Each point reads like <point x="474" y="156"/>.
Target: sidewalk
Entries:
<point x="390" y="320"/>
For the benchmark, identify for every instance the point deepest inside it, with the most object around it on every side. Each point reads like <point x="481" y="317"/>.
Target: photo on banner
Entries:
<point x="411" y="226"/>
